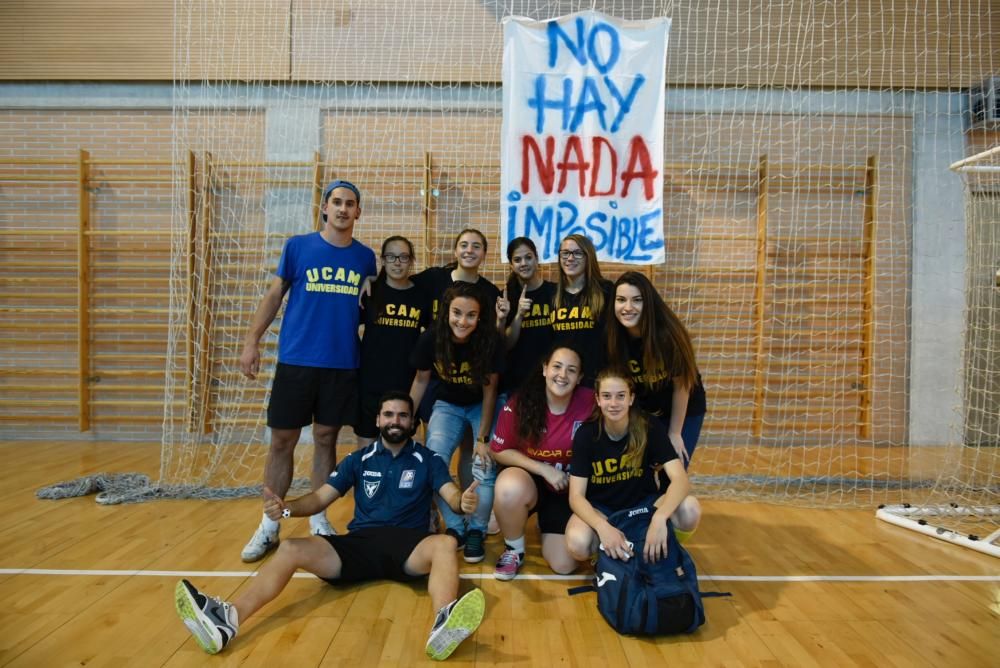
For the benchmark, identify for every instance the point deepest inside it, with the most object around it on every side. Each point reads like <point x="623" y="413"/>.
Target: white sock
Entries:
<point x="234" y="617"/>
<point x="270" y="526"/>
<point x="318" y="519"/>
<point x="516" y="544"/>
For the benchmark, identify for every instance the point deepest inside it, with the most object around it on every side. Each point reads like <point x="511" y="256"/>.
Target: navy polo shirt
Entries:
<point x="391" y="491"/>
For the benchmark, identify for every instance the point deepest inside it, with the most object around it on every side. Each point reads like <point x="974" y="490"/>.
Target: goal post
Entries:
<point x="963" y="505"/>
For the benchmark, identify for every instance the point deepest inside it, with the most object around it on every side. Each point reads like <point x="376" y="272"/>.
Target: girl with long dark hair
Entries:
<point x="529" y="328"/>
<point x="534" y="441"/>
<point x="462" y="350"/>
<point x="647" y="338"/>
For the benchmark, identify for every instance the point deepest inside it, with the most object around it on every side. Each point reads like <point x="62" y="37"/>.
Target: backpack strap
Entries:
<point x="582" y="589"/>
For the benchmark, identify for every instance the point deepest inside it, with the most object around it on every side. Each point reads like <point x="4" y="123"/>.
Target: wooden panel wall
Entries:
<point x="125" y="250"/>
<point x="889" y="44"/>
<point x="807" y="379"/>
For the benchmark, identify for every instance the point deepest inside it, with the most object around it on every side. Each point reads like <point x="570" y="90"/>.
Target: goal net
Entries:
<point x="964" y="504"/>
<point x="806" y="153"/>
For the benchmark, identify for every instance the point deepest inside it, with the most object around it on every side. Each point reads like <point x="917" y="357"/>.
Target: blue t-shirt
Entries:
<point x="391" y="491"/>
<point x="320" y="326"/>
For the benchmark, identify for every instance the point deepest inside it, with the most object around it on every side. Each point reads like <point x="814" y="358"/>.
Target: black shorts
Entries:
<point x="301" y="395"/>
<point x="377" y="553"/>
<point x="552" y="507"/>
<point x="367" y="412"/>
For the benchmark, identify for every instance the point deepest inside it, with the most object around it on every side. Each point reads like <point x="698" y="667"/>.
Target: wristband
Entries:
<point x="286" y="513"/>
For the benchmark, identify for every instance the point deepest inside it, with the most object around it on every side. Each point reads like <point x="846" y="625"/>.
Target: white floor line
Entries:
<point x="489" y="576"/>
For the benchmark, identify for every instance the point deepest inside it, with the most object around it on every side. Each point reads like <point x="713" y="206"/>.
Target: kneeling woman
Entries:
<point x="534" y="440"/>
<point x="616" y="460"/>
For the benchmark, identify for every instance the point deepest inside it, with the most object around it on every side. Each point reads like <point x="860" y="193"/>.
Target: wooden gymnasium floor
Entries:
<point x="84" y="584"/>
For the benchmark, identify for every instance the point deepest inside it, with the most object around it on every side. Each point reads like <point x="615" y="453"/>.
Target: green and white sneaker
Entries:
<point x="211" y="621"/>
<point x="456" y="623"/>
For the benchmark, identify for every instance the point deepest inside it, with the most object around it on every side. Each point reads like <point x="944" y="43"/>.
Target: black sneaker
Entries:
<point x="475" y="551"/>
<point x="456" y="623"/>
<point x="459" y="537"/>
<point x="210" y="620"/>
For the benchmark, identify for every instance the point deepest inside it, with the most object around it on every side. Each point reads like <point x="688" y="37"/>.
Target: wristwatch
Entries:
<point x="485" y="439"/>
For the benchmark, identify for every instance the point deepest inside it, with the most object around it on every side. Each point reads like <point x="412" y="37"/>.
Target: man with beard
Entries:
<point x="394" y="480"/>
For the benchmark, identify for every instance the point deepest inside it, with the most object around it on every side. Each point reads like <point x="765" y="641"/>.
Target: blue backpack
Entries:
<point x="637" y="598"/>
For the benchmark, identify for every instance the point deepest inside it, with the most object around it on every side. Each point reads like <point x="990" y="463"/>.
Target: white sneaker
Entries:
<point x="262" y="542"/>
<point x="321" y="527"/>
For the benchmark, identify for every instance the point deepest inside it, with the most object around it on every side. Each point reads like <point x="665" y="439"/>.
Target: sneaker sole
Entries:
<point x="249" y="559"/>
<point x="504" y="577"/>
<point x="475" y="559"/>
<point x="463" y="621"/>
<point x="188" y="611"/>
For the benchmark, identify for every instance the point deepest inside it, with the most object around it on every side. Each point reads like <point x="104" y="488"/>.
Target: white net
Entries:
<point x="964" y="504"/>
<point x="807" y="146"/>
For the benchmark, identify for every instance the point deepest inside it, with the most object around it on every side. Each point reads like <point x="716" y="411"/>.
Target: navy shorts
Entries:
<point x="301" y="395"/>
<point x="376" y="553"/>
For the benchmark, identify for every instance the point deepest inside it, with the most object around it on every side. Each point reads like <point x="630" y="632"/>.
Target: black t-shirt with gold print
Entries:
<point x="457" y="386"/>
<point x="612" y="483"/>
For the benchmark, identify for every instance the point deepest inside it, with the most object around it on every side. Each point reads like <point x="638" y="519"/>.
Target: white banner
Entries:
<point x="582" y="137"/>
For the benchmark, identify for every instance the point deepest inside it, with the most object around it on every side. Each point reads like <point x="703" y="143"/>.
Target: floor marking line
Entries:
<point x="522" y="576"/>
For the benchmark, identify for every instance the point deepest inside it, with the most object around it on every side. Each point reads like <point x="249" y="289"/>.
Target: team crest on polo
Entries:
<point x="371" y="486"/>
<point x="406" y="480"/>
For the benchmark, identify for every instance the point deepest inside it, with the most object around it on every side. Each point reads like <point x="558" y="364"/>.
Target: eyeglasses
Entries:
<point x="396" y="259"/>
<point x="567" y="254"/>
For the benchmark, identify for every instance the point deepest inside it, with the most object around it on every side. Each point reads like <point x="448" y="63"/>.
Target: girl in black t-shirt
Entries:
<point x="647" y="338"/>
<point x="469" y="249"/>
<point x="395" y="313"/>
<point x="529" y="330"/>
<point x="579" y="303"/>
<point x="470" y="252"/>
<point x="463" y="350"/>
<point x="616" y="462"/>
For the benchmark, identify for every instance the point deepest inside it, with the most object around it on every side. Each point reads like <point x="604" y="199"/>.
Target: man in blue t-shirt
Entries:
<point x="394" y="480"/>
<point x="316" y="378"/>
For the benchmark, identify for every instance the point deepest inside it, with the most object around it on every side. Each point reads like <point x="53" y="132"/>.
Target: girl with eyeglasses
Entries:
<point x="529" y="330"/>
<point x="647" y="338"/>
<point x="579" y="304"/>
<point x="395" y="313"/>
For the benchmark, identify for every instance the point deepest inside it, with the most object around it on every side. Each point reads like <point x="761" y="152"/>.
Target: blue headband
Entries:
<point x="342" y="184"/>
